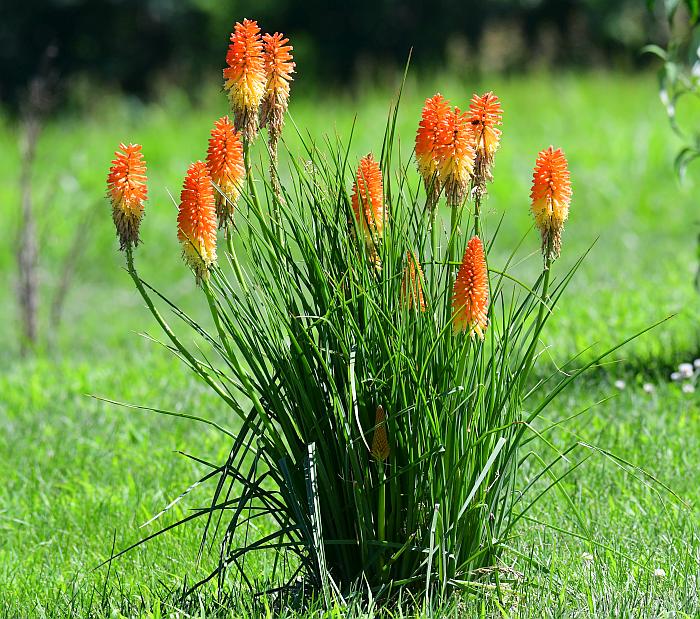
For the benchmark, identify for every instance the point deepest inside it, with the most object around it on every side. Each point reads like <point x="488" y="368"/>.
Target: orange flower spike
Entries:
<point x="244" y="77"/>
<point x="279" y="67"/>
<point x="470" y="298"/>
<point x="435" y="112"/>
<point x="127" y="190"/>
<point x="455" y="155"/>
<point x="485" y="115"/>
<point x="368" y="199"/>
<point x="196" y="220"/>
<point x="226" y="168"/>
<point x="412" y="284"/>
<point x="551" y="197"/>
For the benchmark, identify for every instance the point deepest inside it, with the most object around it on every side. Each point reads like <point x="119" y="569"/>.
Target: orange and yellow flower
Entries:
<point x="485" y="115"/>
<point x="435" y="112"/>
<point x="551" y="197"/>
<point x="126" y="186"/>
<point x="368" y="199"/>
<point x="380" y="441"/>
<point x="455" y="153"/>
<point x="226" y="168"/>
<point x="412" y="284"/>
<point x="279" y="67"/>
<point x="470" y="297"/>
<point x="244" y="77"/>
<point x="196" y="220"/>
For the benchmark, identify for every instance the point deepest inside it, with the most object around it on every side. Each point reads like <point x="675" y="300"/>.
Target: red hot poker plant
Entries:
<point x="279" y="67"/>
<point x="370" y="445"/>
<point x="485" y="116"/>
<point x="435" y="113"/>
<point x="127" y="190"/>
<point x="551" y="196"/>
<point x="196" y="220"/>
<point x="368" y="199"/>
<point x="226" y="168"/>
<point x="470" y="298"/>
<point x="455" y="153"/>
<point x="244" y="76"/>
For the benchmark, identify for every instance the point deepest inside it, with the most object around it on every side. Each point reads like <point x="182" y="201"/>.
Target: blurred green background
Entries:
<point x="79" y="474"/>
<point x="139" y="46"/>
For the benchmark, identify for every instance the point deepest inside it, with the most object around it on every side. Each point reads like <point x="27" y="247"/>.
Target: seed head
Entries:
<point x="470" y="298"/>
<point x="244" y="77"/>
<point x="485" y="115"/>
<point x="196" y="220"/>
<point x="551" y="196"/>
<point x="279" y="67"/>
<point x="225" y="163"/>
<point x="412" y="284"/>
<point x="380" y="441"/>
<point x="455" y="153"/>
<point x="126" y="187"/>
<point x="368" y="199"/>
<point x="435" y="112"/>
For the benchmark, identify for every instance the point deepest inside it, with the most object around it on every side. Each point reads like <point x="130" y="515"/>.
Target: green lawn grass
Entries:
<point x="80" y="475"/>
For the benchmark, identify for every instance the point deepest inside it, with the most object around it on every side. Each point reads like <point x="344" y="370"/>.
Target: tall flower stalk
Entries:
<point x="127" y="191"/>
<point x="226" y="168"/>
<point x="244" y="77"/>
<point x="196" y="221"/>
<point x="279" y="67"/>
<point x="485" y="117"/>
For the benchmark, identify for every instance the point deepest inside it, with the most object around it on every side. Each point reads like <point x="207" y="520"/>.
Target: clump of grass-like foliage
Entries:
<point x="373" y="444"/>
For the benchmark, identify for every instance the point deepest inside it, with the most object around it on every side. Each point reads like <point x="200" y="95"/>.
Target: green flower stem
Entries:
<point x="381" y="510"/>
<point x="215" y="317"/>
<point x="541" y="314"/>
<point x="276" y="190"/>
<point x="477" y="214"/>
<point x="234" y="260"/>
<point x="252" y="188"/>
<point x="434" y="242"/>
<point x="455" y="216"/>
<point x="196" y="365"/>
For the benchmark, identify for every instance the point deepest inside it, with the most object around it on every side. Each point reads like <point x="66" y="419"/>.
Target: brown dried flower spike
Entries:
<point x="380" y="441"/>
<point x="412" y="284"/>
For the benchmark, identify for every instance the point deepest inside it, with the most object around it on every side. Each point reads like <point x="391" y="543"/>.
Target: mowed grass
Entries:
<point x="81" y="475"/>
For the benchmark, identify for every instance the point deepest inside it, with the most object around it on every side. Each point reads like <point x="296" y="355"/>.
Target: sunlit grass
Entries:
<point x="75" y="470"/>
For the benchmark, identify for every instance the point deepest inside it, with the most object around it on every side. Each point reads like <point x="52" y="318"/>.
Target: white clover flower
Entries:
<point x="620" y="384"/>
<point x="696" y="363"/>
<point x="660" y="572"/>
<point x="648" y="388"/>
<point x="675" y="376"/>
<point x="686" y="370"/>
<point x="688" y="388"/>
